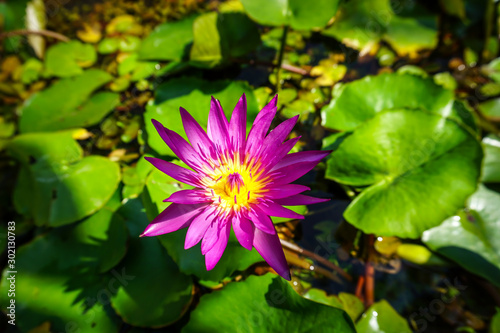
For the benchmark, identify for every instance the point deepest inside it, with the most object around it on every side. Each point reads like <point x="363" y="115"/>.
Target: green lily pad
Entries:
<point x="50" y="286"/>
<point x="345" y="301"/>
<point x="363" y="24"/>
<point x="298" y="14"/>
<point x="490" y="109"/>
<point x="194" y="95"/>
<point x="47" y="111"/>
<point x="472" y="238"/>
<point x="32" y="69"/>
<point x="264" y="304"/>
<point x="355" y="102"/>
<point x="381" y="317"/>
<point x="56" y="185"/>
<point x="235" y="258"/>
<point x="169" y="41"/>
<point x="158" y="294"/>
<point x="108" y="45"/>
<point x="68" y="59"/>
<point x="221" y="36"/>
<point x="491" y="163"/>
<point x="420" y="168"/>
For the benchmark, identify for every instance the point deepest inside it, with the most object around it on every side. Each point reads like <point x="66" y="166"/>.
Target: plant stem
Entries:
<point x="314" y="256"/>
<point x="280" y="58"/>
<point x="370" y="273"/>
<point x="24" y="32"/>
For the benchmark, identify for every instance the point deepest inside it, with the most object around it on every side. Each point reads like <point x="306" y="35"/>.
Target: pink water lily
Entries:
<point x="238" y="181"/>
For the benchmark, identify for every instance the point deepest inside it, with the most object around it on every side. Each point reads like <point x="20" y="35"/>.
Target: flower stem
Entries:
<point x="280" y="58"/>
<point x="314" y="256"/>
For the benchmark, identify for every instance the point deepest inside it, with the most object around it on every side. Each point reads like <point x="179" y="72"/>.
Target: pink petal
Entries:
<point x="173" y="218"/>
<point x="244" y="230"/>
<point x="198" y="227"/>
<point x="269" y="247"/>
<point x="173" y="170"/>
<point x="299" y="199"/>
<point x="277" y="154"/>
<point x="217" y="128"/>
<point x="213" y="256"/>
<point x="211" y="236"/>
<point x="285" y="191"/>
<point x="188" y="197"/>
<point x="237" y="125"/>
<point x="195" y="133"/>
<point x="260" y="219"/>
<point x="302" y="157"/>
<point x="273" y="209"/>
<point x="261" y="126"/>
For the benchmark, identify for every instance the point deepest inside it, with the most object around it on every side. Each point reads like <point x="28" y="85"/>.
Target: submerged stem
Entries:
<point x="280" y="58"/>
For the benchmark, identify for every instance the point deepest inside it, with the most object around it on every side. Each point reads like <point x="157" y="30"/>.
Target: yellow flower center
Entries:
<point x="234" y="187"/>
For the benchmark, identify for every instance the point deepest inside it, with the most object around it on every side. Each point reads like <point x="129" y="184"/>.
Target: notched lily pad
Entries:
<point x="420" y="168"/>
<point x="68" y="59"/>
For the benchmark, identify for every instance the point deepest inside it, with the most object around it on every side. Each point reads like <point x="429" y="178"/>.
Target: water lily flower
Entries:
<point x="238" y="181"/>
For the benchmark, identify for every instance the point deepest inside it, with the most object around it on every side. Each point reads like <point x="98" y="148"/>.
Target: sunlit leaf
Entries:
<point x="472" y="238"/>
<point x="420" y="168"/>
<point x="55" y="182"/>
<point x="264" y="304"/>
<point x="66" y="104"/>
<point x="300" y="15"/>
<point x="169" y="41"/>
<point x="68" y="59"/>
<point x="363" y="24"/>
<point x="491" y="163"/>
<point x="380" y="318"/>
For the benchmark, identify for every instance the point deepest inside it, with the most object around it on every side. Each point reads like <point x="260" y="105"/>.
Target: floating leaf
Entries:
<point x="491" y="109"/>
<point x="355" y="102"/>
<point x="66" y="104"/>
<point x="220" y="36"/>
<point x="264" y="304"/>
<point x="363" y="24"/>
<point x="68" y="59"/>
<point x="298" y="14"/>
<point x="168" y="292"/>
<point x="169" y="41"/>
<point x="472" y="238"/>
<point x="194" y="95"/>
<point x="55" y="182"/>
<point x="491" y="163"/>
<point x="52" y="286"/>
<point x="108" y="45"/>
<point x="420" y="168"/>
<point x="345" y="301"/>
<point x="381" y="317"/>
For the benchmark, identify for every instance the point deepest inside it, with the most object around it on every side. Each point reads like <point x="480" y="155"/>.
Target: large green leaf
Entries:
<point x="158" y="294"/>
<point x="194" y="95"/>
<point x="55" y="281"/>
<point x="221" y="36"/>
<point x="355" y="102"/>
<point x="362" y="24"/>
<point x="472" y="238"/>
<point x="235" y="258"/>
<point x="264" y="304"/>
<point x="169" y="41"/>
<point x="420" y="167"/>
<point x="66" y="104"/>
<point x="56" y="186"/>
<point x="491" y="163"/>
<point x="380" y="318"/>
<point x="301" y="15"/>
<point x="67" y="59"/>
